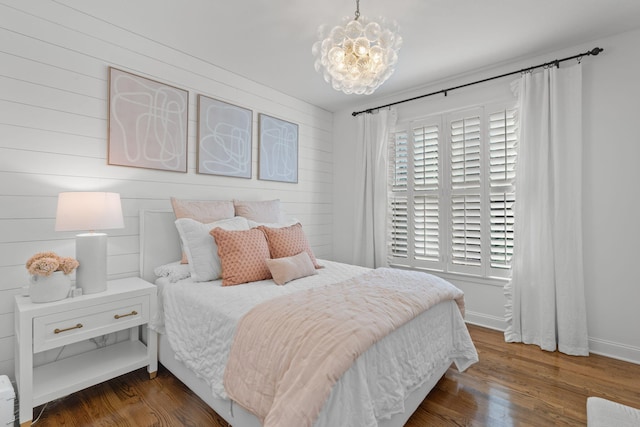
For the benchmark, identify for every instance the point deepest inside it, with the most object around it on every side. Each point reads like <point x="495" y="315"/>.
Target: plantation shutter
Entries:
<point x="465" y="153"/>
<point x="502" y="162"/>
<point x="466" y="188"/>
<point x="399" y="227"/>
<point x="425" y="158"/>
<point x="400" y="161"/>
<point x="399" y="170"/>
<point x="426" y="229"/>
<point x="452" y="191"/>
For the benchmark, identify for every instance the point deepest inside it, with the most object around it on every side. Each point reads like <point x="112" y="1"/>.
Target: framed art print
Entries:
<point x="147" y="123"/>
<point x="278" y="159"/>
<point x="224" y="138"/>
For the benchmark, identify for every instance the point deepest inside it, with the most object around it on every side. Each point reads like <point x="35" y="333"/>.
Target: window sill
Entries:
<point x="458" y="277"/>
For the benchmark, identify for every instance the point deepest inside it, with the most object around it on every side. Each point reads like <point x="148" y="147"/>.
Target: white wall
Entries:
<point x="611" y="204"/>
<point x="53" y="137"/>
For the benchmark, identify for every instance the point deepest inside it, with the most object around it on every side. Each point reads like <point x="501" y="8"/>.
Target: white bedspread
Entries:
<point x="201" y="318"/>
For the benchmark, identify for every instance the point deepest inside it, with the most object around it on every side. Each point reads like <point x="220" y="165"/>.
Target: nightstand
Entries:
<point x="126" y="304"/>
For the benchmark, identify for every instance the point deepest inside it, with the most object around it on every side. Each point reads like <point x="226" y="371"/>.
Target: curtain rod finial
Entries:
<point x="595" y="51"/>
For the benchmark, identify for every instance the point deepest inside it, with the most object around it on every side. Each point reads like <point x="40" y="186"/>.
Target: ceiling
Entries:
<point x="269" y="41"/>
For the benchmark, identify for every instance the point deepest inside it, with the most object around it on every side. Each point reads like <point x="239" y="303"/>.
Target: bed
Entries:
<point x="356" y="398"/>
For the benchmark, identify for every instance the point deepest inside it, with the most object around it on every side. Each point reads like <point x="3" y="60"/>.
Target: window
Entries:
<point x="452" y="192"/>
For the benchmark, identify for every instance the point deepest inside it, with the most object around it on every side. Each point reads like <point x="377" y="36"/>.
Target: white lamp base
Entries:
<point x="91" y="253"/>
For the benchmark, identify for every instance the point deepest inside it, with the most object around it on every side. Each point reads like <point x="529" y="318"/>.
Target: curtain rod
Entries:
<point x="595" y="51"/>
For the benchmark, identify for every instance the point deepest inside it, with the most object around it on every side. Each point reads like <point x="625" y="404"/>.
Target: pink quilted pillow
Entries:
<point x="259" y="211"/>
<point x="204" y="211"/>
<point x="242" y="255"/>
<point x="288" y="241"/>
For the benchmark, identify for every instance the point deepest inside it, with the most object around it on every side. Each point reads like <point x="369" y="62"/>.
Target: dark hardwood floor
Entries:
<point x="512" y="385"/>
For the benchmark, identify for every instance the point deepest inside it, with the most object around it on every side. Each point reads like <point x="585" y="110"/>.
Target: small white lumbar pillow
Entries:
<point x="173" y="271"/>
<point x="286" y="269"/>
<point x="200" y="247"/>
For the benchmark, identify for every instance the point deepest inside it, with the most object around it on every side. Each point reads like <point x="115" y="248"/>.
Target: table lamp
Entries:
<point x="90" y="211"/>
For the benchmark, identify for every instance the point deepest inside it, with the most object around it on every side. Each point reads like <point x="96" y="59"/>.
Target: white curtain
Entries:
<point x="545" y="297"/>
<point x="371" y="174"/>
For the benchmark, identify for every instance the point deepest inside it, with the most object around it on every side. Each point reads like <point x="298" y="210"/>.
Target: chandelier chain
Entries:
<point x="357" y="9"/>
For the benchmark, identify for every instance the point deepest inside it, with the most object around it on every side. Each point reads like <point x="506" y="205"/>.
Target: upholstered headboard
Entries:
<point x="159" y="241"/>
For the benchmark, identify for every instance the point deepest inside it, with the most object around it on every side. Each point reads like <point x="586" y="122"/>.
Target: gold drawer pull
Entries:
<point x="118" y="316"/>
<point x="57" y="331"/>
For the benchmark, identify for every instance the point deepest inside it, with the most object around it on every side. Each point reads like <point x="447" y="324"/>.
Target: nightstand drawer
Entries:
<point x="59" y="329"/>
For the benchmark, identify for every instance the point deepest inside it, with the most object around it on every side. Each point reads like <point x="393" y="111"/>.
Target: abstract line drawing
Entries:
<point x="224" y="138"/>
<point x="147" y="123"/>
<point x="278" y="160"/>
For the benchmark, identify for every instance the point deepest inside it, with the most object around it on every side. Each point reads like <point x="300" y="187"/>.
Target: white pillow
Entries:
<point x="201" y="248"/>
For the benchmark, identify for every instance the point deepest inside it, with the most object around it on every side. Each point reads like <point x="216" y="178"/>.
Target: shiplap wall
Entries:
<point x="53" y="137"/>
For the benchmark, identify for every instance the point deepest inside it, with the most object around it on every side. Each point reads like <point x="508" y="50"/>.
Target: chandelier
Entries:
<point x="359" y="55"/>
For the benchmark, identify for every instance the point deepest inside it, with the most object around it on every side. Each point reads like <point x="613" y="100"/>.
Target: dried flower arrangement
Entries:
<point x="46" y="263"/>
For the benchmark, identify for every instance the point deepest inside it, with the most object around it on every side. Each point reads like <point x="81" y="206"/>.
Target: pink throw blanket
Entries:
<point x="288" y="352"/>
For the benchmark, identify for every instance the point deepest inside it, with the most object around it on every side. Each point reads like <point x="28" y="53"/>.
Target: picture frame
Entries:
<point x="148" y="123"/>
<point x="278" y="153"/>
<point x="224" y="138"/>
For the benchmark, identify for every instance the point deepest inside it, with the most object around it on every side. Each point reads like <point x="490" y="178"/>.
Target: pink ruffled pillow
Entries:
<point x="284" y="270"/>
<point x="288" y="241"/>
<point x="242" y="255"/>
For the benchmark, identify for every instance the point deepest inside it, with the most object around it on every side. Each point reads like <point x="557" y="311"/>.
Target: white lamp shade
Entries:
<point x="87" y="211"/>
<point x="90" y="211"/>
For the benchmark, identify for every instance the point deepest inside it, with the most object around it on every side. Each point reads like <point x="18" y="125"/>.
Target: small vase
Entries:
<point x="49" y="288"/>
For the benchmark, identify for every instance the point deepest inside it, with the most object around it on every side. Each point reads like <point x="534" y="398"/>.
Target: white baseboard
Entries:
<point x="485" y="320"/>
<point x="614" y="350"/>
<point x="601" y="347"/>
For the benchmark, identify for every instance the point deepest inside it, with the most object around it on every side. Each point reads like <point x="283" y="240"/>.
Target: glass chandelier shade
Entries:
<point x="359" y="55"/>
